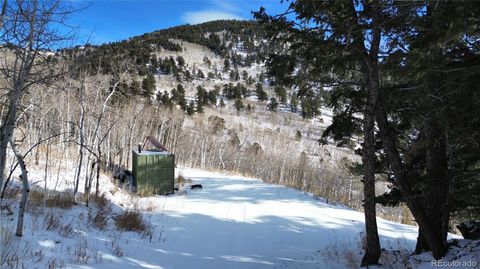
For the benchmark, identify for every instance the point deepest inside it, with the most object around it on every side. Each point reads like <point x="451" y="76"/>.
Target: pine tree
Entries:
<point x="238" y="105"/>
<point x="293" y="103"/>
<point x="281" y="93"/>
<point x="400" y="93"/>
<point x="261" y="94"/>
<point x="273" y="104"/>
<point x="135" y="87"/>
<point x="148" y="86"/>
<point x="200" y="74"/>
<point x="190" y="108"/>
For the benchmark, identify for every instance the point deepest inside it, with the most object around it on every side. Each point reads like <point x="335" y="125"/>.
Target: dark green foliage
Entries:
<point x="212" y="97"/>
<point x="135" y="87"/>
<point x="310" y="106"/>
<point x="226" y="64"/>
<point x="245" y="75"/>
<point x="222" y="103"/>
<point x="411" y="66"/>
<point x="234" y="75"/>
<point x="298" y="135"/>
<point x="190" y="108"/>
<point x="234" y="92"/>
<point x="180" y="61"/>
<point x="238" y="105"/>
<point x="188" y="76"/>
<point x="273" y="104"/>
<point x="294" y="103"/>
<point x="281" y="93"/>
<point x="261" y="94"/>
<point x="148" y="86"/>
<point x="105" y="58"/>
<point x="250" y="108"/>
<point x="165" y="99"/>
<point x="200" y="74"/>
<point x="207" y="61"/>
<point x="178" y="96"/>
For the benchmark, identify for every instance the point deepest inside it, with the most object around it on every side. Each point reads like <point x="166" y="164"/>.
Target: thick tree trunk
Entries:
<point x="430" y="234"/>
<point x="438" y="182"/>
<point x="372" y="250"/>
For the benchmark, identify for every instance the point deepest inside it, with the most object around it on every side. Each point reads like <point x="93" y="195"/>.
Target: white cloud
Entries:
<point x="195" y="17"/>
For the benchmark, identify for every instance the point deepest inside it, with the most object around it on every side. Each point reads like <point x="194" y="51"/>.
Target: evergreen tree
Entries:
<point x="411" y="38"/>
<point x="281" y="93"/>
<point x="244" y="75"/>
<point x="210" y="75"/>
<point x="166" y="100"/>
<point x="135" y="88"/>
<point x="180" y="61"/>
<point x="293" y="103"/>
<point x="207" y="61"/>
<point x="212" y="97"/>
<point x="148" y="86"/>
<point x="261" y="94"/>
<point x="222" y="103"/>
<point x="238" y="105"/>
<point x="190" y="108"/>
<point x="273" y="104"/>
<point x="200" y="74"/>
<point x="226" y="64"/>
<point x="188" y="76"/>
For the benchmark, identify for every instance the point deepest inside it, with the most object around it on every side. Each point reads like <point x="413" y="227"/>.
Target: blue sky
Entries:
<point x="112" y="20"/>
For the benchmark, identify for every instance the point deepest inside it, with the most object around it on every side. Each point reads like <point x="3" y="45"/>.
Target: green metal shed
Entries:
<point x="153" y="171"/>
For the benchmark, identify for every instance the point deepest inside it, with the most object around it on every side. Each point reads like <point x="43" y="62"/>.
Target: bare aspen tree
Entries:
<point x="28" y="29"/>
<point x="25" y="188"/>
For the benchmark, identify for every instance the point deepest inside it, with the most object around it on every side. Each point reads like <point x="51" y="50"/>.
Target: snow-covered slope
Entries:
<point x="233" y="222"/>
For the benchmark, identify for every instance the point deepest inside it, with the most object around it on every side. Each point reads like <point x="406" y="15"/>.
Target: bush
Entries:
<point x="100" y="201"/>
<point x="64" y="201"/>
<point x="98" y="219"/>
<point x="131" y="221"/>
<point x="181" y="180"/>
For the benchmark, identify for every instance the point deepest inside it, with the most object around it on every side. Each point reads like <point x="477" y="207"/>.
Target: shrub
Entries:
<point x="9" y="248"/>
<point x="98" y="219"/>
<point x="131" y="221"/>
<point x="181" y="180"/>
<point x="51" y="221"/>
<point x="100" y="201"/>
<point x="60" y="200"/>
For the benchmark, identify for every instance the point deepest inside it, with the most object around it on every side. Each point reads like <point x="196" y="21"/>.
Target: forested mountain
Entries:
<point x="237" y="69"/>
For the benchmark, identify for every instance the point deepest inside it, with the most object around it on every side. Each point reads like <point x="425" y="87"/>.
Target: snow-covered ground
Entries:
<point x="233" y="222"/>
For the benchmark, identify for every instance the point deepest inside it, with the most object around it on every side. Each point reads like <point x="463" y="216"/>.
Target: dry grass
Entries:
<point x="98" y="219"/>
<point x="131" y="221"/>
<point x="11" y="193"/>
<point x="54" y="264"/>
<point x="60" y="200"/>
<point x="38" y="198"/>
<point x="51" y="221"/>
<point x="100" y="201"/>
<point x="66" y="230"/>
<point x="145" y="192"/>
<point x="9" y="250"/>
<point x="181" y="180"/>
